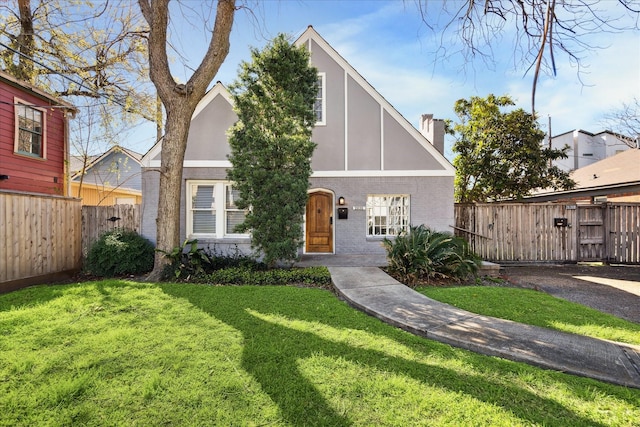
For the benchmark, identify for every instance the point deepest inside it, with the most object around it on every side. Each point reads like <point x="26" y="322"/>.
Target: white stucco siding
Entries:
<point x="402" y="151"/>
<point x="364" y="129"/>
<point x="208" y="132"/>
<point x="330" y="138"/>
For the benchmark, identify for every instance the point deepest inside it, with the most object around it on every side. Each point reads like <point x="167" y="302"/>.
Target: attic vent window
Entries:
<point x="320" y="107"/>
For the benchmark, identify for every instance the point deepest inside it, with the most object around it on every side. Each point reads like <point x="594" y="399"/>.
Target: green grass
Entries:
<point x="537" y="308"/>
<point x="123" y="353"/>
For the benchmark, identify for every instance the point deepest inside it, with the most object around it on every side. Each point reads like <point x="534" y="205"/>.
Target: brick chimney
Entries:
<point x="433" y="130"/>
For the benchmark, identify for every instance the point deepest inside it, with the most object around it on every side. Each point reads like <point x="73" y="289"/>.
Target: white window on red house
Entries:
<point x="29" y="130"/>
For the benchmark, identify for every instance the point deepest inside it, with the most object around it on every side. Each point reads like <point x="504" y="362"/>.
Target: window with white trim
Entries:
<point x="233" y="215"/>
<point x="387" y="214"/>
<point x="320" y="105"/>
<point x="212" y="210"/>
<point x="30" y="137"/>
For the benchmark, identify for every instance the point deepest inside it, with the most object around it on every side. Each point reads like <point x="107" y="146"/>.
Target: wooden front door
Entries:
<point x="319" y="235"/>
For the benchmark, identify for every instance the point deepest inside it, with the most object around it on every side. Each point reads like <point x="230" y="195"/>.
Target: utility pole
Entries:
<point x="549" y="133"/>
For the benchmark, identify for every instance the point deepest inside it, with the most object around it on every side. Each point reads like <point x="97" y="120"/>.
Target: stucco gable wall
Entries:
<point x="364" y="143"/>
<point x="402" y="151"/>
<point x="355" y="137"/>
<point x="208" y="133"/>
<point x="329" y="153"/>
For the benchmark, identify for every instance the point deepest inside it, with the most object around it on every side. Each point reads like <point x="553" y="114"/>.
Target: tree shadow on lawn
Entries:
<point x="272" y="352"/>
<point x="31" y="296"/>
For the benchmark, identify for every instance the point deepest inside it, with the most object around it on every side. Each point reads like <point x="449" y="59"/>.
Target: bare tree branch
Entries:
<point x="540" y="28"/>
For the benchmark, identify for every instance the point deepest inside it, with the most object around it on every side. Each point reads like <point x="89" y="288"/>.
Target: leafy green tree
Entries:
<point x="271" y="145"/>
<point x="500" y="154"/>
<point x="92" y="54"/>
<point x="79" y="50"/>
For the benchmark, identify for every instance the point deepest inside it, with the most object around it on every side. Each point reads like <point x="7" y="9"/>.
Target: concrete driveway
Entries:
<point x="611" y="289"/>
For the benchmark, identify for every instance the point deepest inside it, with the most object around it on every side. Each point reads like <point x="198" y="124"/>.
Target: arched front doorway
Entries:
<point x="319" y="223"/>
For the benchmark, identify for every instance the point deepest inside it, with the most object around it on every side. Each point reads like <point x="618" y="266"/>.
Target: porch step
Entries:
<point x="489" y="269"/>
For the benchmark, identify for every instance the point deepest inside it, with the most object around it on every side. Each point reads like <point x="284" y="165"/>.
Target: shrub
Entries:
<point x="119" y="252"/>
<point x="186" y="260"/>
<point x="424" y="253"/>
<point x="310" y="276"/>
<point x="189" y="262"/>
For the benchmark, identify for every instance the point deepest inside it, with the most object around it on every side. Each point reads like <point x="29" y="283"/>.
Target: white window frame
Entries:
<point x="219" y="206"/>
<point x="372" y="205"/>
<point x="18" y="104"/>
<point x="323" y="100"/>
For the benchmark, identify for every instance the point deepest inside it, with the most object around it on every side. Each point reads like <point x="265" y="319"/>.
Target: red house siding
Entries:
<point x="35" y="175"/>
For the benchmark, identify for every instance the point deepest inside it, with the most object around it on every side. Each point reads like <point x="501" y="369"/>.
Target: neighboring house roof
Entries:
<point x="620" y="172"/>
<point x="98" y="172"/>
<point x="625" y="138"/>
<point x="623" y="168"/>
<point x="77" y="161"/>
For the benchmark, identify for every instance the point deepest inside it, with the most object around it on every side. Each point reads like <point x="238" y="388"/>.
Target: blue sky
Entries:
<point x="391" y="47"/>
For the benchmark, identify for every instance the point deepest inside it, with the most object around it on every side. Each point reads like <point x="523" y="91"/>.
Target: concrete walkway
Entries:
<point x="376" y="293"/>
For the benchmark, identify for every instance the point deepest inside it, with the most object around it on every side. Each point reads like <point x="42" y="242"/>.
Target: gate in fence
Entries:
<point x="97" y="220"/>
<point x="551" y="232"/>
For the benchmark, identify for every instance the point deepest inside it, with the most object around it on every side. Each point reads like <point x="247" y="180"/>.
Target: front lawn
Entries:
<point x="536" y="308"/>
<point x="124" y="353"/>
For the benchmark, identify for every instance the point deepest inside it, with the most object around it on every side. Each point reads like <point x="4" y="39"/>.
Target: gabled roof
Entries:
<point x="305" y="39"/>
<point x="94" y="160"/>
<point x="217" y="90"/>
<point x="311" y="34"/>
<point x="602" y="132"/>
<point x="77" y="162"/>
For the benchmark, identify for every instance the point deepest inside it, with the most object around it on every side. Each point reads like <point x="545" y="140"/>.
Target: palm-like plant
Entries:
<point x="424" y="253"/>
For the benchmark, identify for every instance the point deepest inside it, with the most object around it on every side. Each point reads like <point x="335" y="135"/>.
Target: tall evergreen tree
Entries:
<point x="500" y="154"/>
<point x="271" y="145"/>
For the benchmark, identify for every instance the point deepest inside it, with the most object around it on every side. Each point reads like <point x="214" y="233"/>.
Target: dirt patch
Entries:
<point x="611" y="289"/>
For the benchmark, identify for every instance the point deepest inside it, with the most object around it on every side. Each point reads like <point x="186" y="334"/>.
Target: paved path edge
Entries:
<point x="621" y="364"/>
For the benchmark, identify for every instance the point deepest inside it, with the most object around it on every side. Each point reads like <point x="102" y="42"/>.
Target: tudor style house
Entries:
<point x="374" y="174"/>
<point x="34" y="147"/>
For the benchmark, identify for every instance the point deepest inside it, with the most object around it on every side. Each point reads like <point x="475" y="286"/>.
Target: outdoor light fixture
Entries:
<point x="341" y="201"/>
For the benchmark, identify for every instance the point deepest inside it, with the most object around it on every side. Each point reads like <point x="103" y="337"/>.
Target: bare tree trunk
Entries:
<point x="24" y="69"/>
<point x="168" y="221"/>
<point x="180" y="101"/>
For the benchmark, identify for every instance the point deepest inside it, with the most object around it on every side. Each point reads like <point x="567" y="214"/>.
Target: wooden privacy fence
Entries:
<point x="551" y="232"/>
<point x="39" y="236"/>
<point x="97" y="220"/>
